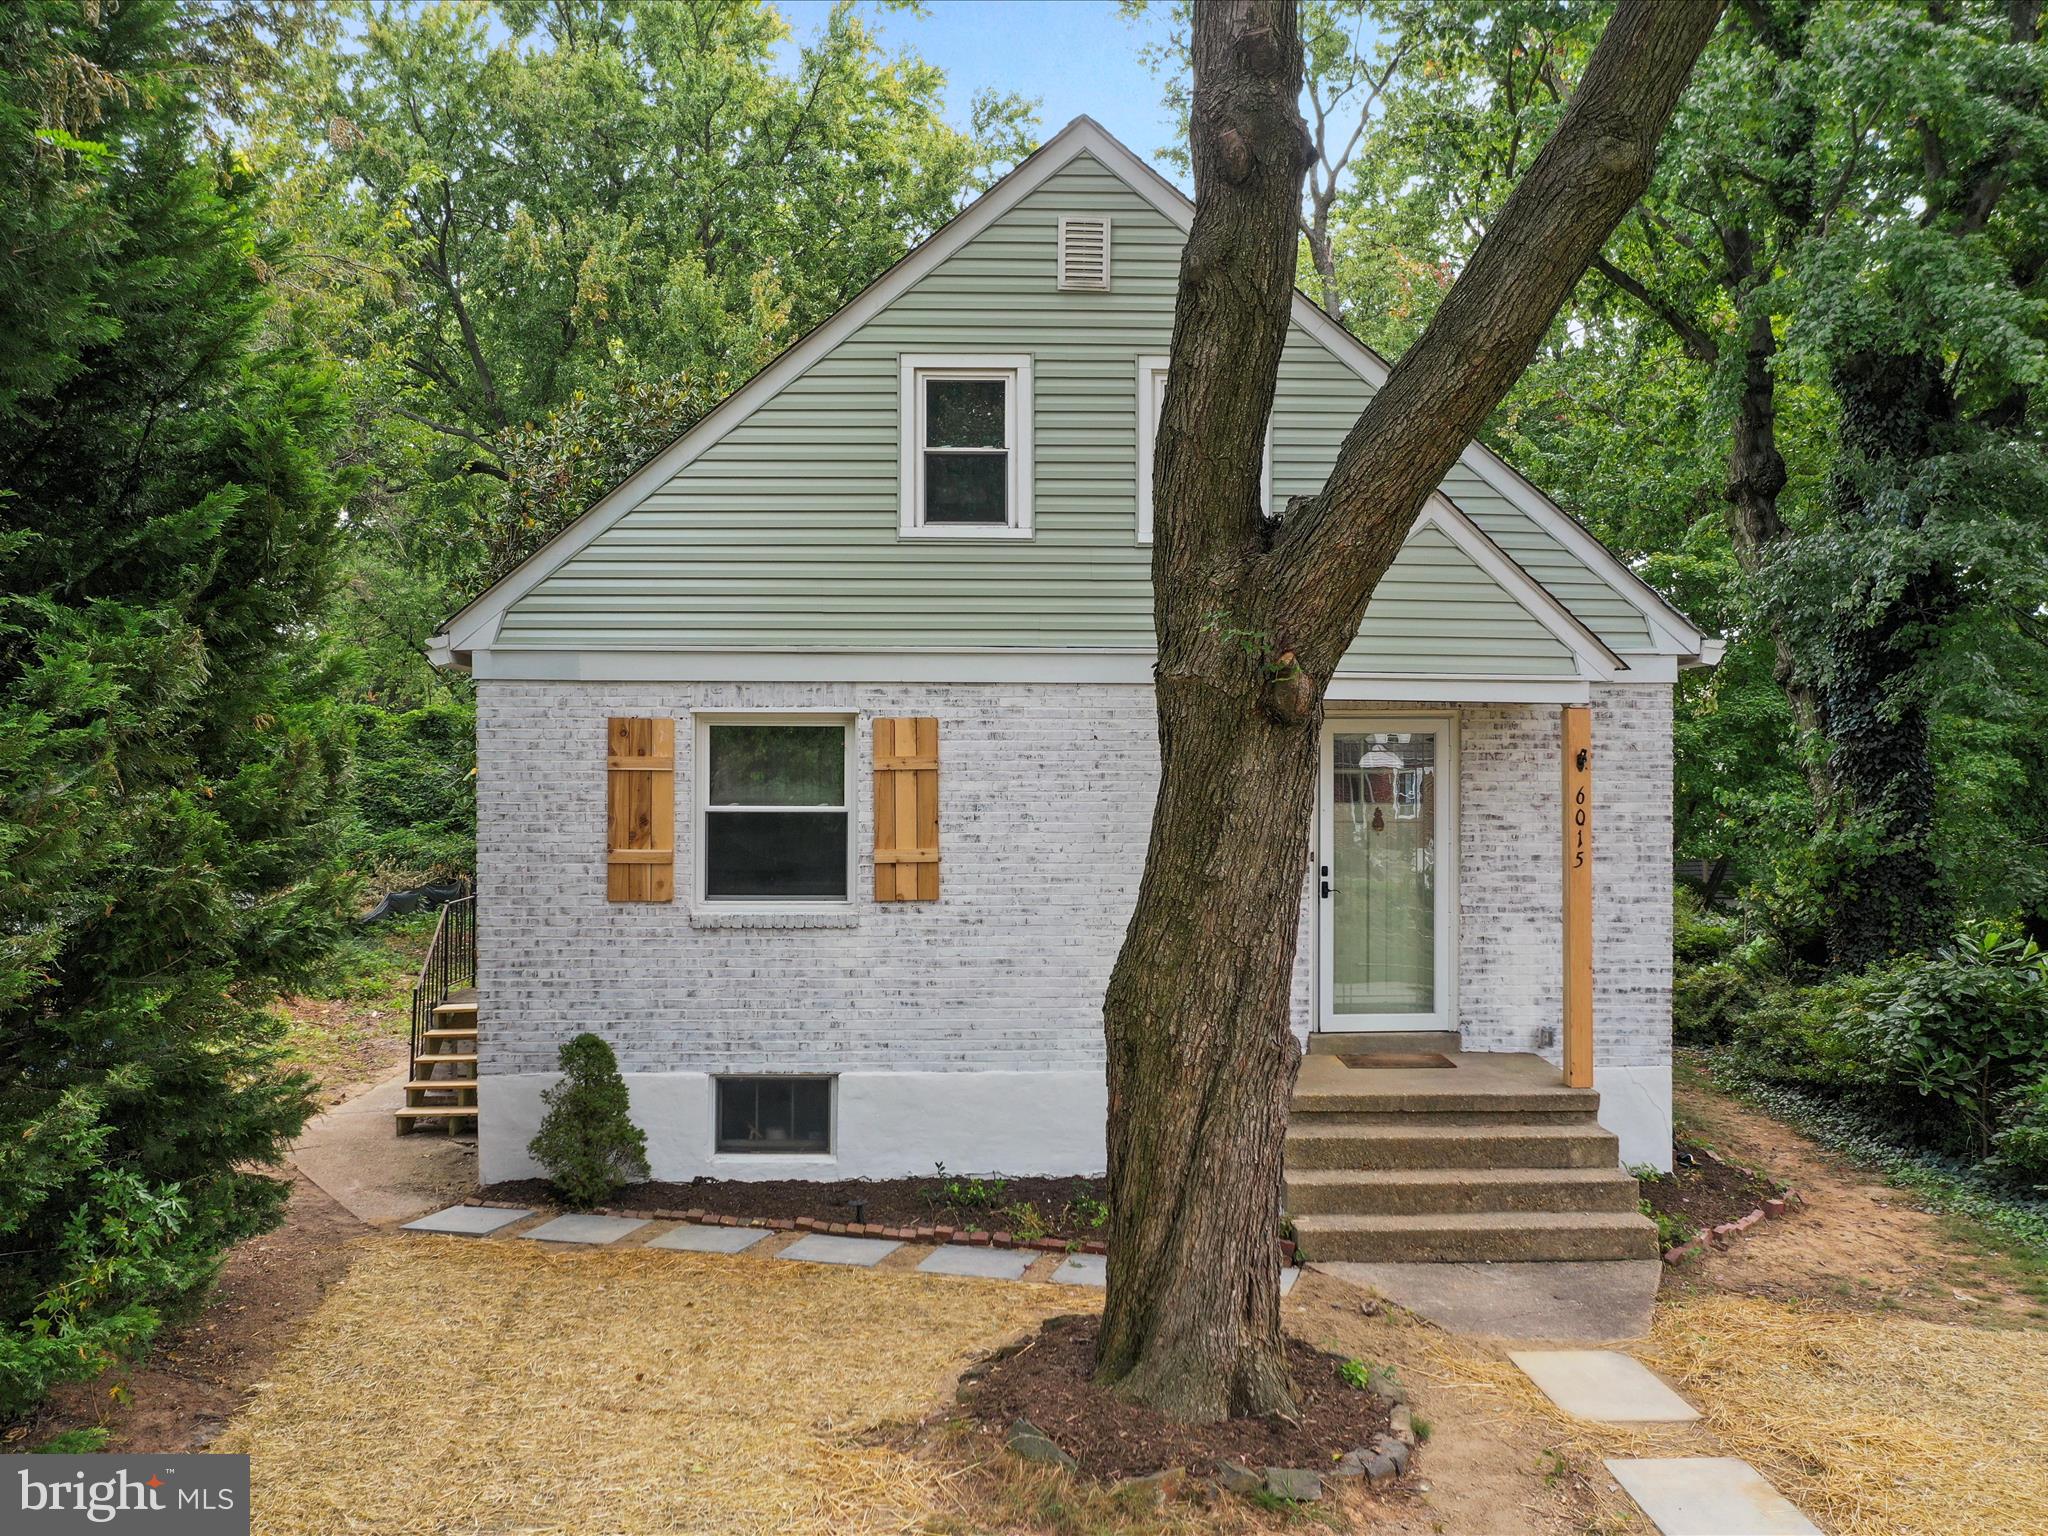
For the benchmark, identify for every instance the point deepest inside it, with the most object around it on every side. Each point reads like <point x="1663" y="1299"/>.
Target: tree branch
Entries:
<point x="1698" y="344"/>
<point x="1332" y="551"/>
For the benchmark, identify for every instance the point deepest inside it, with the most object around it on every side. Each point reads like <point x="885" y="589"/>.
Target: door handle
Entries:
<point x="1326" y="882"/>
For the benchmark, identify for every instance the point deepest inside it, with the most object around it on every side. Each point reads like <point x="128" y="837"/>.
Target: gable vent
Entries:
<point x="1084" y="253"/>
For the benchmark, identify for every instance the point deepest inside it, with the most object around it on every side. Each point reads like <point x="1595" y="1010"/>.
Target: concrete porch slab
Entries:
<point x="584" y="1229"/>
<point x="354" y="1153"/>
<point x="978" y="1263"/>
<point x="467" y="1221"/>
<point x="1708" y="1496"/>
<point x="693" y="1239"/>
<point x="1597" y="1302"/>
<point x="824" y="1248"/>
<point x="1083" y="1269"/>
<point x="1604" y="1386"/>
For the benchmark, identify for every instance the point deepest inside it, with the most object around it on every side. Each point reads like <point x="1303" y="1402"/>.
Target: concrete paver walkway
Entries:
<point x="824" y="1248"/>
<point x="1708" y="1496"/>
<point x="467" y="1221"/>
<point x="688" y="1239"/>
<point x="579" y="1228"/>
<point x="1603" y="1385"/>
<point x="1606" y="1302"/>
<point x="353" y="1152"/>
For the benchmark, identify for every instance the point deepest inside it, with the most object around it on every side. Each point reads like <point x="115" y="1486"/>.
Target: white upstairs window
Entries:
<point x="966" y="447"/>
<point x="1084" y="253"/>
<point x="1151" y="403"/>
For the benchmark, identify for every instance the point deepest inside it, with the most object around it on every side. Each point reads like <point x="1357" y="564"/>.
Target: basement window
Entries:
<point x="774" y="1114"/>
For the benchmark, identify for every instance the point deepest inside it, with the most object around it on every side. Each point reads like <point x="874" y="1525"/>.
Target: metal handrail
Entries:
<point x="450" y="964"/>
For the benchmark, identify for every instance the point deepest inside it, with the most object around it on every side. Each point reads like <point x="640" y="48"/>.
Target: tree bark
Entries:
<point x="1251" y="616"/>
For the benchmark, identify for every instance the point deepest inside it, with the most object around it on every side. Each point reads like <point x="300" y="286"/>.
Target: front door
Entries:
<point x="1388" y="850"/>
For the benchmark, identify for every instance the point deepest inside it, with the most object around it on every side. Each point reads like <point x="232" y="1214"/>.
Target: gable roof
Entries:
<point x="474" y="625"/>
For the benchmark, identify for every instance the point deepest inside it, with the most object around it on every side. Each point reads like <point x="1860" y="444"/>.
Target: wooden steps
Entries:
<point x="443" y="1085"/>
<point x="1491" y="1160"/>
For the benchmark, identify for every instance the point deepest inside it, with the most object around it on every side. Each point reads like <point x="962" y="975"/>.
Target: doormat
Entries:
<point x="1388" y="1060"/>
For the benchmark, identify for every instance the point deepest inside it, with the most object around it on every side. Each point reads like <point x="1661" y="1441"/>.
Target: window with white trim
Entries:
<point x="1151" y="403"/>
<point x="774" y="821"/>
<point x="966" y="446"/>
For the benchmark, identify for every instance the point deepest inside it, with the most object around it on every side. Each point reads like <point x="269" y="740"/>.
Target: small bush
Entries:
<point x="1962" y="1031"/>
<point x="1698" y="935"/>
<point x="2019" y="1150"/>
<point x="1027" y="1225"/>
<point x="588" y="1142"/>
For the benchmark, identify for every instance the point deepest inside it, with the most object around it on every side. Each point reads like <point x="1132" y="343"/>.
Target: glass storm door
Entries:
<point x="1383" y="885"/>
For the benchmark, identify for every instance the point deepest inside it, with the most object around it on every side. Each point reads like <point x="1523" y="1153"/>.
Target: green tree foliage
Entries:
<point x="541" y="240"/>
<point x="172" y="753"/>
<point x="1800" y="392"/>
<point x="587" y="1140"/>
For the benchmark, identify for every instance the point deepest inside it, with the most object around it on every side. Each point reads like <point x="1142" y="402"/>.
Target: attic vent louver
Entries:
<point x="1084" y="253"/>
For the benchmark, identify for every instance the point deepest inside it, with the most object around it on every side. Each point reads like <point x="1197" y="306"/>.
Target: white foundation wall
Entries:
<point x="968" y="1031"/>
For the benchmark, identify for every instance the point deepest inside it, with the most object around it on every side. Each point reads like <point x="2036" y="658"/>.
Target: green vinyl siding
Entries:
<point x="784" y="534"/>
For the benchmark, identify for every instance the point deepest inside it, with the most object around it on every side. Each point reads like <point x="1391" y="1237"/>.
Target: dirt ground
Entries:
<point x="1857" y="1243"/>
<point x="1887" y="1376"/>
<point x="199" y="1375"/>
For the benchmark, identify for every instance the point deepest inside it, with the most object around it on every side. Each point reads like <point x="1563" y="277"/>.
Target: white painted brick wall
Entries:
<point x="1045" y="795"/>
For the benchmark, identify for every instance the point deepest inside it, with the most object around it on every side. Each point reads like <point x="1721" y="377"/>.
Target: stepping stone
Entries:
<point x="824" y="1248"/>
<point x="467" y="1220"/>
<point x="1287" y="1278"/>
<point x="1708" y="1496"/>
<point x="979" y="1263"/>
<point x="1083" y="1269"/>
<point x="1603" y="1385"/>
<point x="584" y="1229"/>
<point x="710" y="1239"/>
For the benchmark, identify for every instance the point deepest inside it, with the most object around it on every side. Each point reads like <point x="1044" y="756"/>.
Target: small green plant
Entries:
<point x="76" y="1442"/>
<point x="588" y="1142"/>
<point x="1423" y="1429"/>
<point x="1027" y="1225"/>
<point x="1644" y="1173"/>
<point x="1356" y="1373"/>
<point x="963" y="1194"/>
<point x="1087" y="1211"/>
<point x="1671" y="1232"/>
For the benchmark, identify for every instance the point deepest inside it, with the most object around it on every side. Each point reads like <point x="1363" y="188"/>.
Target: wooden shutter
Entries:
<point x="640" y="809"/>
<point x="907" y="809"/>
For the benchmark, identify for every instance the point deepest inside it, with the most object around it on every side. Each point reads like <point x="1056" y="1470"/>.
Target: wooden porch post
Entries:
<point x="1577" y="733"/>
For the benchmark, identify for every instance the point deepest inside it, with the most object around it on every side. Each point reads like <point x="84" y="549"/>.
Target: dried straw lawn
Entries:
<point x="456" y="1386"/>
<point x="1873" y="1425"/>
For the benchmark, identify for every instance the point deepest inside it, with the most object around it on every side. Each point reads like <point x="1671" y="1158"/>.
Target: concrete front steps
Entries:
<point x="1488" y="1160"/>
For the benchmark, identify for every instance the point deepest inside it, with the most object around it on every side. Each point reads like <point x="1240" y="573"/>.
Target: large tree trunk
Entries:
<point x="1251" y="617"/>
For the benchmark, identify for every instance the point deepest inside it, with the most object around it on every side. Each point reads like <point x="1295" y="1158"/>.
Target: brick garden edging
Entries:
<point x="941" y="1235"/>
<point x="1771" y="1209"/>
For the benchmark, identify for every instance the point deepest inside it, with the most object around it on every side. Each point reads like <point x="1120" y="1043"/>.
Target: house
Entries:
<point x="815" y="762"/>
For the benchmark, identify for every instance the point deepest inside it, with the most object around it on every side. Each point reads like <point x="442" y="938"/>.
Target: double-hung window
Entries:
<point x="966" y="447"/>
<point x="1151" y="404"/>
<point x="774" y="824"/>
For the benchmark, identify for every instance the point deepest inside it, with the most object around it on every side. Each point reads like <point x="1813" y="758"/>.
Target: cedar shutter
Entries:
<point x="907" y="809"/>
<point x="640" y="809"/>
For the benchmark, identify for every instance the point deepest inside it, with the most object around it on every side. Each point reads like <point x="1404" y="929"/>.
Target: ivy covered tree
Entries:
<point x="172" y="755"/>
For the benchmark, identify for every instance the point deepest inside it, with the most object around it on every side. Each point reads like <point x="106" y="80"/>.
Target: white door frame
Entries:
<point x="1445" y="1016"/>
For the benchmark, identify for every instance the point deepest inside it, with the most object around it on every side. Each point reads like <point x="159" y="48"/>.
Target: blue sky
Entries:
<point x="1075" y="56"/>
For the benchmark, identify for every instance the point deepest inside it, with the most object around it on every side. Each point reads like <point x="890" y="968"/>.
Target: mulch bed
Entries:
<point x="1047" y="1382"/>
<point x="1058" y="1202"/>
<point x="1706" y="1191"/>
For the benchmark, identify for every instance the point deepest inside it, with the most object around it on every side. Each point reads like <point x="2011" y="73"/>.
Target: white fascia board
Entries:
<point x="1131" y="668"/>
<point x="1592" y="653"/>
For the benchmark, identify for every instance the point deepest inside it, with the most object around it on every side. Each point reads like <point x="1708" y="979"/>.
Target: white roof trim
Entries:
<point x="475" y="625"/>
<point x="1595" y="658"/>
